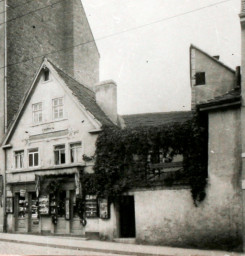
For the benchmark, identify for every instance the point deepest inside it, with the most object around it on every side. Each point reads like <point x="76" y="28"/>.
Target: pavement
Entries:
<point x="94" y="247"/>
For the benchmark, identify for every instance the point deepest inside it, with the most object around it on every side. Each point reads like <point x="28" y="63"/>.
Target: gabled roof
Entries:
<point x="212" y="58"/>
<point x="156" y="119"/>
<point x="85" y="97"/>
<point x="231" y="98"/>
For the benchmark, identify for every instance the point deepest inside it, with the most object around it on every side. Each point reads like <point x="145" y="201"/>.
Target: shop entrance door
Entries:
<point x="127" y="216"/>
<point x="21" y="213"/>
<point x="33" y="213"/>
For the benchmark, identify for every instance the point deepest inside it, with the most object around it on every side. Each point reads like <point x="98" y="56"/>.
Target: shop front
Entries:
<point x="53" y="204"/>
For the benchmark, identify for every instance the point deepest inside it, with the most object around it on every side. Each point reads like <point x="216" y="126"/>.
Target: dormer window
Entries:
<point x="46" y="74"/>
<point x="200" y="78"/>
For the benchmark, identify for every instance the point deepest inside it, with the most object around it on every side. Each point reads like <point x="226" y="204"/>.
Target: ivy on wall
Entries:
<point x="121" y="161"/>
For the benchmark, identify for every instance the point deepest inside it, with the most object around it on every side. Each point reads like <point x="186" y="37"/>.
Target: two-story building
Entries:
<point x="48" y="146"/>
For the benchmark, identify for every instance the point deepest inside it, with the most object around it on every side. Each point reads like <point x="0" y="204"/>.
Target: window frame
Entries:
<point x="33" y="152"/>
<point x="20" y="161"/>
<point x="58" y="107"/>
<point x="200" y="78"/>
<point x="38" y="112"/>
<point x="71" y="148"/>
<point x="55" y="149"/>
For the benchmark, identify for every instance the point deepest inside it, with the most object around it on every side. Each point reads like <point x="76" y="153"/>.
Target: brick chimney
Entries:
<point x="106" y="98"/>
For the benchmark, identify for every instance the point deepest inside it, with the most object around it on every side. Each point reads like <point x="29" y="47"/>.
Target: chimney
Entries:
<point x="106" y="98"/>
<point x="238" y="77"/>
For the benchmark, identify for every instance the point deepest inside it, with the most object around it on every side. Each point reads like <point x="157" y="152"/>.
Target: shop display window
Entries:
<point x="34" y="206"/>
<point x="44" y="205"/>
<point x="22" y="207"/>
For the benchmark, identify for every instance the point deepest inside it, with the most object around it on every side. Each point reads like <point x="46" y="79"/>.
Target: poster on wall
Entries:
<point x="91" y="209"/>
<point x="44" y="205"/>
<point x="104" y="210"/>
<point x="9" y="205"/>
<point x="67" y="209"/>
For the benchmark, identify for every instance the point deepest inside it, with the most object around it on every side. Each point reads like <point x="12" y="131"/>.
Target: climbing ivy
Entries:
<point x="121" y="159"/>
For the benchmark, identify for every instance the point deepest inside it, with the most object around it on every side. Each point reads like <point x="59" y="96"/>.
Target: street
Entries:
<point x="25" y="249"/>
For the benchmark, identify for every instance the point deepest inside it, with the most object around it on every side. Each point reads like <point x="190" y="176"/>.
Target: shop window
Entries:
<point x="200" y="78"/>
<point x="76" y="152"/>
<point x="37" y="113"/>
<point x="33" y="156"/>
<point x="19" y="159"/>
<point x="59" y="154"/>
<point x="58" y="108"/>
<point x="22" y="207"/>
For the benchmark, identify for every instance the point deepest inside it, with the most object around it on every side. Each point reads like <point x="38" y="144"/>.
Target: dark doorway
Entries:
<point x="127" y="216"/>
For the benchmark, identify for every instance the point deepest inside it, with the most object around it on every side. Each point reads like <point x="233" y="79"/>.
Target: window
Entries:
<point x="58" y="108"/>
<point x="200" y="78"/>
<point x="33" y="157"/>
<point x="59" y="154"/>
<point x="18" y="157"/>
<point x="46" y="74"/>
<point x="76" y="152"/>
<point x="37" y="113"/>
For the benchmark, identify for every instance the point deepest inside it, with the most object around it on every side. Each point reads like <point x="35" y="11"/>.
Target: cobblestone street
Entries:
<point x="24" y="249"/>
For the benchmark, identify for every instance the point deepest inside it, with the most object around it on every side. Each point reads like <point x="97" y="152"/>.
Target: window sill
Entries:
<point x="50" y="122"/>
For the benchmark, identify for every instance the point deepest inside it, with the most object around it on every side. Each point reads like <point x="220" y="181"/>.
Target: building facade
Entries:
<point x="54" y="111"/>
<point x="48" y="147"/>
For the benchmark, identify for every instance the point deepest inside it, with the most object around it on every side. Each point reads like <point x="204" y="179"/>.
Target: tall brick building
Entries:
<point x="32" y="30"/>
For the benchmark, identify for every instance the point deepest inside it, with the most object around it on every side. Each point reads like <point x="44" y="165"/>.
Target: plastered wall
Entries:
<point x="169" y="217"/>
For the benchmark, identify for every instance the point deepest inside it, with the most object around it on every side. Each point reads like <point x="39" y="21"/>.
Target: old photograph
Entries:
<point x="121" y="127"/>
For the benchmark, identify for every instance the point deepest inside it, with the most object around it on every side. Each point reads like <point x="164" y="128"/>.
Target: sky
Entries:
<point x="144" y="46"/>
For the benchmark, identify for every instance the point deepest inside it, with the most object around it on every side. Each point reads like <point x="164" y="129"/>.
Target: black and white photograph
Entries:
<point x="122" y="127"/>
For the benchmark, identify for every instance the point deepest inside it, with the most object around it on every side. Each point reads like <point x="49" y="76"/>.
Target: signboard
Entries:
<point x="9" y="205"/>
<point x="67" y="209"/>
<point x="22" y="193"/>
<point x="44" y="205"/>
<point x="91" y="206"/>
<point x="104" y="210"/>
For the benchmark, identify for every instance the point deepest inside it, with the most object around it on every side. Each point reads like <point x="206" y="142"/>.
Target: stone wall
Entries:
<point x="48" y="28"/>
<point x="169" y="217"/>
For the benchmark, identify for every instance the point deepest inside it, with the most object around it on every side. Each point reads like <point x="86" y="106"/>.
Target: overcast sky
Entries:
<point x="150" y="64"/>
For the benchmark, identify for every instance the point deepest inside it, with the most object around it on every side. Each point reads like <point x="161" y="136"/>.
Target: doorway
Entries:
<point x="127" y="217"/>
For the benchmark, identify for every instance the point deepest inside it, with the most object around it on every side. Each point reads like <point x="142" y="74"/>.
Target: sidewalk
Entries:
<point x="76" y="243"/>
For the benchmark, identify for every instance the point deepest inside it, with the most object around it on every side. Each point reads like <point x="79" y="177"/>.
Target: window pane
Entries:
<point x="36" y="159"/>
<point x="33" y="150"/>
<point x="63" y="158"/>
<point x="30" y="160"/>
<point x="56" y="157"/>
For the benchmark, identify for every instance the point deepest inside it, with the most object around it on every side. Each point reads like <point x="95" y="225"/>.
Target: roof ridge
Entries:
<point x="58" y="67"/>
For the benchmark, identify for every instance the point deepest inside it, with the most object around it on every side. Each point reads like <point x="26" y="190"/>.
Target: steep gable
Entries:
<point x="60" y="86"/>
<point x="209" y="77"/>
